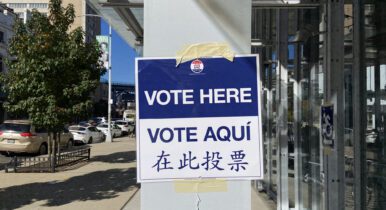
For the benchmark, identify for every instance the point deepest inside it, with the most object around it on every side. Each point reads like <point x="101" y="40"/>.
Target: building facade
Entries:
<point x="316" y="55"/>
<point x="91" y="25"/>
<point x="320" y="55"/>
<point x="123" y="96"/>
<point x="7" y="20"/>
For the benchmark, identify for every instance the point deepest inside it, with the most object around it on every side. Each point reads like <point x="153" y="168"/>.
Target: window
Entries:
<point x="20" y="14"/>
<point x="15" y="128"/>
<point x="38" y="5"/>
<point x="374" y="98"/>
<point x="17" y="5"/>
<point x="1" y="37"/>
<point x="76" y="128"/>
<point x="1" y="64"/>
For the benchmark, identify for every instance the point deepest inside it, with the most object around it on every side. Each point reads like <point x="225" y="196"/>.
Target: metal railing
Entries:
<point x="46" y="164"/>
<point x="72" y="156"/>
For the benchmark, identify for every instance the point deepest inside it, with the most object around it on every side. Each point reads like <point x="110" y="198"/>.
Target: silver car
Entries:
<point x="126" y="126"/>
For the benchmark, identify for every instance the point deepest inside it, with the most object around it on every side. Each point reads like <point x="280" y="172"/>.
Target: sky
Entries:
<point x="123" y="57"/>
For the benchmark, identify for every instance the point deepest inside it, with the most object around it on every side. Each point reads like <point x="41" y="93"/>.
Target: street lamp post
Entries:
<point x="109" y="101"/>
<point x="108" y="137"/>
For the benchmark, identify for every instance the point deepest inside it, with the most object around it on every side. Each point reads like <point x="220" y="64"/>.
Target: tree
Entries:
<point x="53" y="70"/>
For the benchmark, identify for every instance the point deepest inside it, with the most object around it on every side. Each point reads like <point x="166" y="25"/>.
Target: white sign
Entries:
<point x="198" y="120"/>
<point x="104" y="43"/>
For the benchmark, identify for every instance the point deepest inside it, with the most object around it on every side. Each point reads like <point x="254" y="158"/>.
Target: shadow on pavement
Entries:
<point x="93" y="186"/>
<point x="118" y="157"/>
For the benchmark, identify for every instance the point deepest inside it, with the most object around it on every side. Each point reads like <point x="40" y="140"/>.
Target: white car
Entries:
<point x="115" y="130"/>
<point x="126" y="126"/>
<point x="86" y="135"/>
<point x="98" y="120"/>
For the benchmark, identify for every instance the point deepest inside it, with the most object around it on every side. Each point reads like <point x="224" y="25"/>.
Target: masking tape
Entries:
<point x="200" y="186"/>
<point x="200" y="50"/>
<point x="327" y="150"/>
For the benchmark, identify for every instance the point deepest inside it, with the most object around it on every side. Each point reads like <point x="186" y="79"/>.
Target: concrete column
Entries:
<point x="170" y="25"/>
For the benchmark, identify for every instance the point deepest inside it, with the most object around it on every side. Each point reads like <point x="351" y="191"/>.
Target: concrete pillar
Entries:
<point x="170" y="25"/>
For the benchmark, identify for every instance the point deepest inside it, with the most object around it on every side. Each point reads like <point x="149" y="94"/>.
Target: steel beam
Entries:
<point x="297" y="100"/>
<point x="315" y="160"/>
<point x="359" y="106"/>
<point x="269" y="101"/>
<point x="122" y="4"/>
<point x="286" y="4"/>
<point x="334" y="94"/>
<point x="282" y="120"/>
<point x="130" y="20"/>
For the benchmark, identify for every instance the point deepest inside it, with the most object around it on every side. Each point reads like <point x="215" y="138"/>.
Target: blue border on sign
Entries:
<point x="219" y="74"/>
<point x="258" y="111"/>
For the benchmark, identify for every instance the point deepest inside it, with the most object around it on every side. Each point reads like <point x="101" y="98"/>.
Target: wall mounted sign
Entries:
<point x="327" y="124"/>
<point x="201" y="119"/>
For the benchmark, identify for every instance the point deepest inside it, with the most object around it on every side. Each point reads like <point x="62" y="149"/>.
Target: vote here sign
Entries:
<point x="201" y="119"/>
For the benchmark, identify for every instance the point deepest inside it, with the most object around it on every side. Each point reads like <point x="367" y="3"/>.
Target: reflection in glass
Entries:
<point x="375" y="33"/>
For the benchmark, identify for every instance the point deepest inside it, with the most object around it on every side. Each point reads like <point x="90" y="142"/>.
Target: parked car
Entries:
<point x="129" y="115"/>
<point x="99" y="119"/>
<point x="115" y="130"/>
<point x="20" y="136"/>
<point x="86" y="135"/>
<point x="126" y="126"/>
<point x="86" y="123"/>
<point x="114" y="119"/>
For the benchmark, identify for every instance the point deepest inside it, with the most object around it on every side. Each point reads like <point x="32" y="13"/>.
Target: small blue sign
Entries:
<point x="327" y="123"/>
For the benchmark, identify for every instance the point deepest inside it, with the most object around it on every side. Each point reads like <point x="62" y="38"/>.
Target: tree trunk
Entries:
<point x="49" y="145"/>
<point x="49" y="150"/>
<point x="59" y="144"/>
<point x="54" y="150"/>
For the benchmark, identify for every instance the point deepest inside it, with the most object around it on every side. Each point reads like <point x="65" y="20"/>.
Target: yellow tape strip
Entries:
<point x="201" y="50"/>
<point x="327" y="150"/>
<point x="200" y="186"/>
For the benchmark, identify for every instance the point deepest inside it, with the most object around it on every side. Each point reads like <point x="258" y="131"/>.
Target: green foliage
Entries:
<point x="53" y="70"/>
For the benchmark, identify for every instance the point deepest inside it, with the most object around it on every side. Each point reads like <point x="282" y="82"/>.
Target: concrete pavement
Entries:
<point x="259" y="201"/>
<point x="106" y="182"/>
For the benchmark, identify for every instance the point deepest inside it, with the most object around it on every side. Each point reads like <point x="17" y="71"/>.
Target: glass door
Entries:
<point x="375" y="59"/>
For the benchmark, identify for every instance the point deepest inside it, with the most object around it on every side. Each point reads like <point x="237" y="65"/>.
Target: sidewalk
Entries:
<point x="106" y="182"/>
<point x="259" y="201"/>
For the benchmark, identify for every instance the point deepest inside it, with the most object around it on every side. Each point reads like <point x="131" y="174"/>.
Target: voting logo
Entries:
<point x="197" y="66"/>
